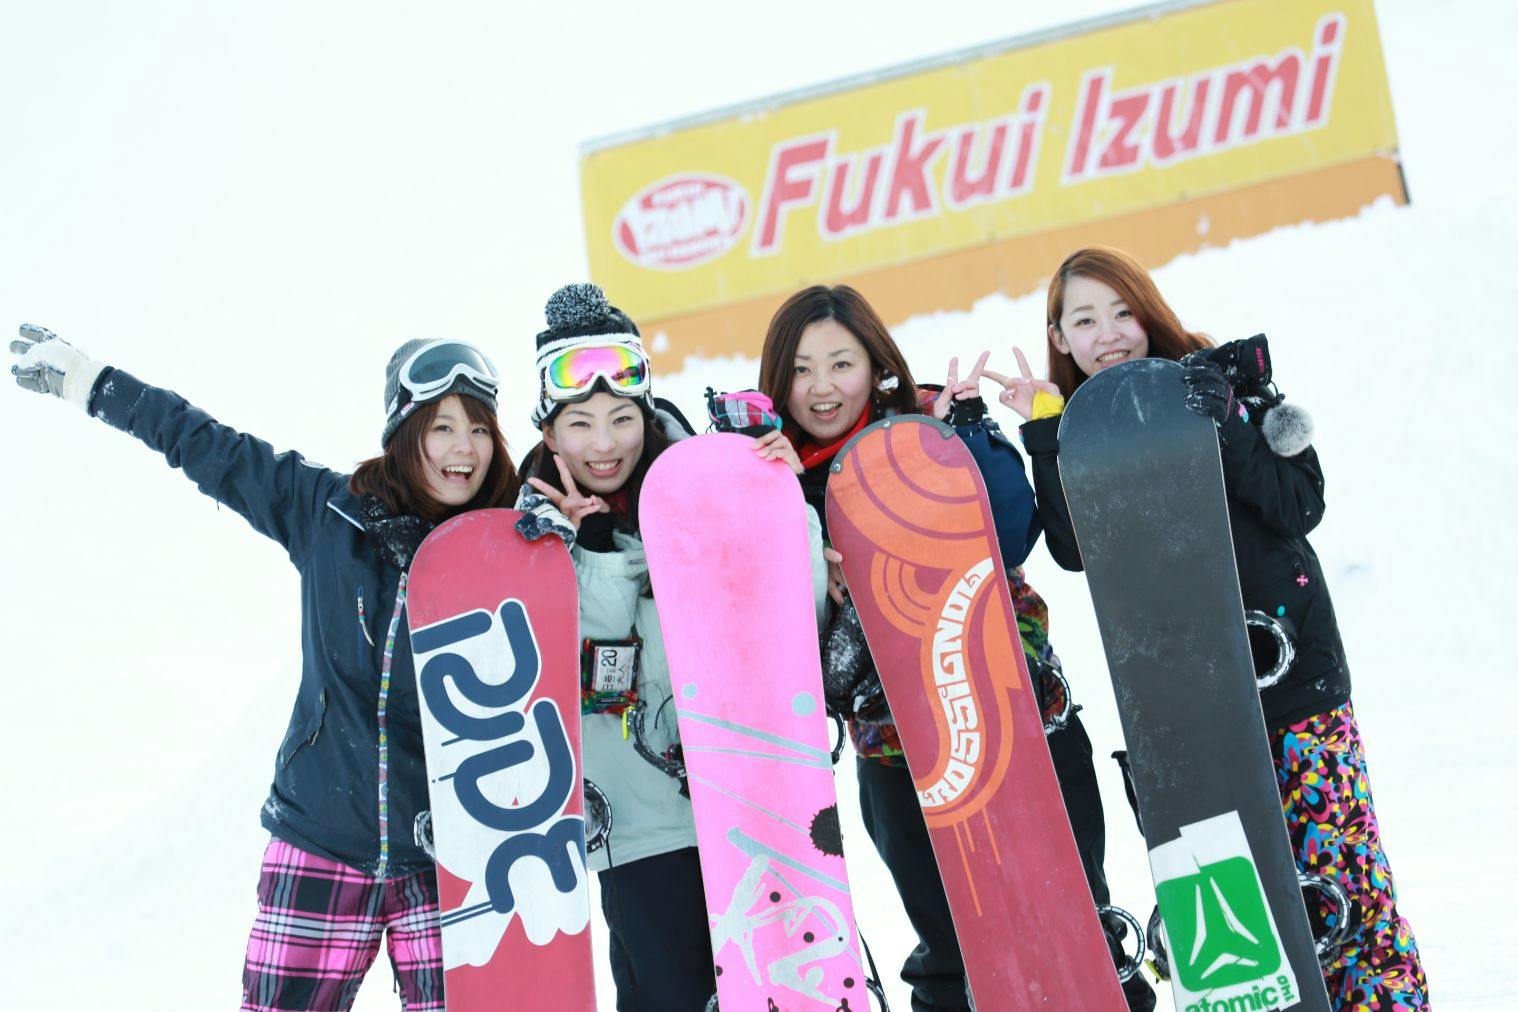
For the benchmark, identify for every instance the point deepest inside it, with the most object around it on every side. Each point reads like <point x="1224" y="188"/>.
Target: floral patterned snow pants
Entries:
<point x="1320" y="767"/>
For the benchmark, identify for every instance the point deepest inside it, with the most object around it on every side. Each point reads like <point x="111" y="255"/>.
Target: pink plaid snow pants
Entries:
<point x="318" y="931"/>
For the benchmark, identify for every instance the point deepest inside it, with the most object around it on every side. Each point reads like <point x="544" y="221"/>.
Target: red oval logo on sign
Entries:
<point x="681" y="221"/>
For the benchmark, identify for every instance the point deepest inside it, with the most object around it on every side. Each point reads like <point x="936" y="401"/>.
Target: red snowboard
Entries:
<point x="908" y="510"/>
<point x="495" y="634"/>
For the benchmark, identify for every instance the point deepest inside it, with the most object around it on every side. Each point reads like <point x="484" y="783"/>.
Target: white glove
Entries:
<point x="47" y="364"/>
<point x="540" y="516"/>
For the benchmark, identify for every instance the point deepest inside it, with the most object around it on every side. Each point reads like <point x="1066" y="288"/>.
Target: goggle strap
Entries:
<point x="554" y="348"/>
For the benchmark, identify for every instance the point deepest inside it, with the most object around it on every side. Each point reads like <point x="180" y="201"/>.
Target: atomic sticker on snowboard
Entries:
<point x="732" y="576"/>
<point x="1223" y="939"/>
<point x="494" y="628"/>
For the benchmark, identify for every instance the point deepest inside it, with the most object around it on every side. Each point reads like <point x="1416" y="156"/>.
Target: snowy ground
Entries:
<point x="152" y="639"/>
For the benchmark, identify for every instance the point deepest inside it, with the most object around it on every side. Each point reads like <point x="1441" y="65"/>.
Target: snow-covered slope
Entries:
<point x="151" y="638"/>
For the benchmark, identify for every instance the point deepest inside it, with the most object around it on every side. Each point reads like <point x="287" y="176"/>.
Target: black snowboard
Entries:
<point x="1144" y="482"/>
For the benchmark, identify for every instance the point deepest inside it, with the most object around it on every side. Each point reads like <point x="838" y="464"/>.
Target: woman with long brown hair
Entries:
<point x="831" y="367"/>
<point x="1104" y="309"/>
<point x="345" y="863"/>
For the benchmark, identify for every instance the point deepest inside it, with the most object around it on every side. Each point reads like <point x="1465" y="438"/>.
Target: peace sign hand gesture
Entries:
<point x="570" y="502"/>
<point x="956" y="389"/>
<point x="1017" y="391"/>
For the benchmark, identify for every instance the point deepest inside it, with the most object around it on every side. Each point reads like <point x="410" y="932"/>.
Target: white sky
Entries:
<point x="340" y="177"/>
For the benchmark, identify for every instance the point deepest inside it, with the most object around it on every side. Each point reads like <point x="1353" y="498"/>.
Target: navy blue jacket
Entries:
<point x="1001" y="467"/>
<point x="325" y="798"/>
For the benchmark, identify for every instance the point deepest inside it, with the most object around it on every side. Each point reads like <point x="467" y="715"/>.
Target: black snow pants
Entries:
<point x="661" y="947"/>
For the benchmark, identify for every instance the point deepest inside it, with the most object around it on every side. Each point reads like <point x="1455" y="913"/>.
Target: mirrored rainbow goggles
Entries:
<point x="571" y="374"/>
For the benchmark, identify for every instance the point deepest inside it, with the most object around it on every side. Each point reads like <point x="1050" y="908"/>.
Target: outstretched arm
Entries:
<point x="279" y="494"/>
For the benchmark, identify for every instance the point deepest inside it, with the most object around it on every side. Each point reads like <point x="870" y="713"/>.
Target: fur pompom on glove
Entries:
<point x="540" y="517"/>
<point x="1287" y="429"/>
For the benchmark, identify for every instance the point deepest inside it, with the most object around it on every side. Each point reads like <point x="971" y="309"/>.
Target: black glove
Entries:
<point x="845" y="659"/>
<point x="966" y="412"/>
<point x="1245" y="364"/>
<point x="869" y="698"/>
<point x="1208" y="391"/>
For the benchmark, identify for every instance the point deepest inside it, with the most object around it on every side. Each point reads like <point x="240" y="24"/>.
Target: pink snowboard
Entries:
<point x="726" y="537"/>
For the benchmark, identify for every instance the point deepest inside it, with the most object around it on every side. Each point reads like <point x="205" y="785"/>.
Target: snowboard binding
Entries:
<point x="597" y="817"/>
<point x="1056" y="704"/>
<point x="1159" y="958"/>
<point x="669" y="762"/>
<point x="421" y="832"/>
<point x="1117" y="922"/>
<point x="1343" y="916"/>
<point x="1285" y="650"/>
<point x="597" y="823"/>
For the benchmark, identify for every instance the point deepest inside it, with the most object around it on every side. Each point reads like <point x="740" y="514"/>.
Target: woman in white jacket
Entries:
<point x="602" y="428"/>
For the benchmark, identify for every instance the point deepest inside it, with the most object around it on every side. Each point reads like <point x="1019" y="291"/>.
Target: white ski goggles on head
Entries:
<point x="434" y="367"/>
<point x="572" y="374"/>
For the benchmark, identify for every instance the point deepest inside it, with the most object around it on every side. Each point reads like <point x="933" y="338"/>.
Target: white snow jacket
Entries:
<point x="649" y="814"/>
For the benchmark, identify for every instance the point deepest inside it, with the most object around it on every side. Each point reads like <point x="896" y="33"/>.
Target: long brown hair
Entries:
<point x="1127" y="277"/>
<point x="777" y="362"/>
<point x="399" y="475"/>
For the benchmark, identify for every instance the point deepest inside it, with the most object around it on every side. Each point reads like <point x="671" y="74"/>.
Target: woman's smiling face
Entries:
<point x="457" y="452"/>
<point x="831" y="381"/>
<point x="1097" y="327"/>
<point x="600" y="438"/>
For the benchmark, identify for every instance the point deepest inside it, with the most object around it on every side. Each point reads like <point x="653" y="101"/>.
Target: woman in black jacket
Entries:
<point x="1103" y="308"/>
<point x="345" y="865"/>
<point x="831" y="367"/>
